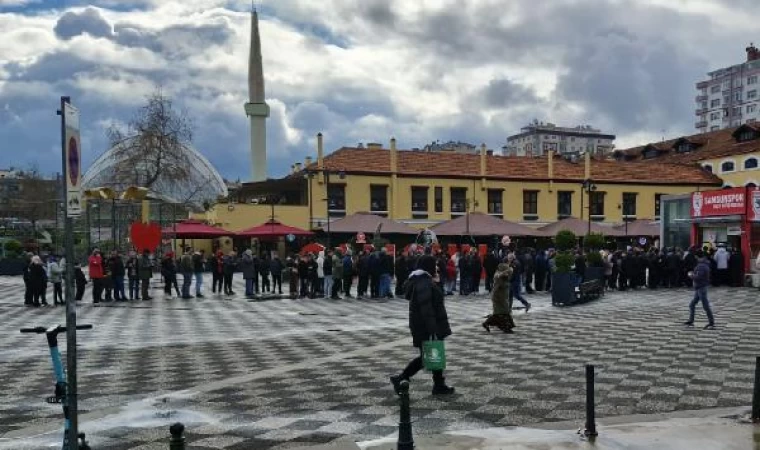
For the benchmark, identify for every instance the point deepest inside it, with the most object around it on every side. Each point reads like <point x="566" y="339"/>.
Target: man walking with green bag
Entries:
<point x="428" y="323"/>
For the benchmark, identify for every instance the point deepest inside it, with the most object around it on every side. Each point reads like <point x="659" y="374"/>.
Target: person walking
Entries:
<point x="515" y="282"/>
<point x="327" y="268"/>
<point x="501" y="315"/>
<point x="117" y="269"/>
<point x="427" y="320"/>
<point x="337" y="271"/>
<point x="249" y="272"/>
<point x="95" y="266"/>
<point x="229" y="263"/>
<point x="37" y="281"/>
<point x="80" y="281"/>
<point x="199" y="266"/>
<point x="186" y="267"/>
<point x="56" y="277"/>
<point x="169" y="272"/>
<point x="132" y="277"/>
<point x="145" y="272"/>
<point x="701" y="280"/>
<point x="276" y="269"/>
<point x="217" y="272"/>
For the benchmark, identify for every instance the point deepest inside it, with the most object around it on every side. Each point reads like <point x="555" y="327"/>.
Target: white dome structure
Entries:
<point x="204" y="184"/>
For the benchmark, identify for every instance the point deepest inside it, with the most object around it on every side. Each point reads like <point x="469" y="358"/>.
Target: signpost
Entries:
<point x="72" y="166"/>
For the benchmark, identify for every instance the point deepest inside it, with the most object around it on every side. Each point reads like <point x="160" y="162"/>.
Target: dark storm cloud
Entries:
<point x="88" y="21"/>
<point x="503" y="93"/>
<point x="174" y="41"/>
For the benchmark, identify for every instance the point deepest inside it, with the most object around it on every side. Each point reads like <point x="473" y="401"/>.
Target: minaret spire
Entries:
<point x="256" y="109"/>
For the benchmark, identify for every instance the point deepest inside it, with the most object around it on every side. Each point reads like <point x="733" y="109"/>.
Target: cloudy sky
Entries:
<point x="361" y="71"/>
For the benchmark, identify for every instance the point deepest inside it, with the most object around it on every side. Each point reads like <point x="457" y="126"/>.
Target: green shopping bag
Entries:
<point x="434" y="355"/>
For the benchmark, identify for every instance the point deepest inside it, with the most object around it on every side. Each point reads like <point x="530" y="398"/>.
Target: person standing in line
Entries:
<point x="303" y="275"/>
<point x="515" y="283"/>
<point x="229" y="263"/>
<point x="701" y="280"/>
<point x="464" y="274"/>
<point x="541" y="270"/>
<point x="186" y="267"/>
<point x="337" y="271"/>
<point x="401" y="271"/>
<point x="362" y="270"/>
<point x="132" y="276"/>
<point x="28" y="301"/>
<point x="490" y="264"/>
<point x="501" y="316"/>
<point x="169" y="272"/>
<point x="451" y="276"/>
<point x="56" y="277"/>
<point x="248" y="269"/>
<point x="81" y="281"/>
<point x="375" y="272"/>
<point x="721" y="262"/>
<point x="327" y="268"/>
<point x="37" y="281"/>
<point x="276" y="269"/>
<point x="117" y="269"/>
<point x="199" y="266"/>
<point x="313" y="276"/>
<point x="217" y="272"/>
<point x="427" y="320"/>
<point x="476" y="271"/>
<point x="529" y="264"/>
<point x="145" y="271"/>
<point x="386" y="269"/>
<point x="264" y="269"/>
<point x="95" y="264"/>
<point x="292" y="268"/>
<point x="320" y="274"/>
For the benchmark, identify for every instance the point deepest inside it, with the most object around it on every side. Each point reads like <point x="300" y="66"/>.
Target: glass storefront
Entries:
<point x="676" y="221"/>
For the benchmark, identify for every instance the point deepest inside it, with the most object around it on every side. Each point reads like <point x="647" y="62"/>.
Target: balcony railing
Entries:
<point x="701" y="124"/>
<point x="701" y="98"/>
<point x="700" y="111"/>
<point x="702" y="84"/>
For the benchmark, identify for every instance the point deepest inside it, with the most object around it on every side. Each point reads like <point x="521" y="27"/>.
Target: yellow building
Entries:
<point x="733" y="154"/>
<point x="425" y="188"/>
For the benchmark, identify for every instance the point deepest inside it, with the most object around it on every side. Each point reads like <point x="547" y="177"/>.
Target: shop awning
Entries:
<point x="579" y="227"/>
<point x="273" y="228"/>
<point x="483" y="225"/>
<point x="194" y="229"/>
<point x="368" y="223"/>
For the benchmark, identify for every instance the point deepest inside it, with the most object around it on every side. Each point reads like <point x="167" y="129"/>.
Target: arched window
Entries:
<point x="751" y="185"/>
<point x="727" y="166"/>
<point x="708" y="167"/>
<point x="750" y="163"/>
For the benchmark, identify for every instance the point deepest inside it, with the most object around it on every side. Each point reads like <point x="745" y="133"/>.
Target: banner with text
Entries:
<point x="73" y="158"/>
<point x="725" y="202"/>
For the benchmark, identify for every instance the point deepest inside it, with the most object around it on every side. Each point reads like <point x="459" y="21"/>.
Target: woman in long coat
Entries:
<point x="501" y="316"/>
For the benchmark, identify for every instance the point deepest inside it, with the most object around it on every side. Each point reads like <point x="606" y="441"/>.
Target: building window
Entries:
<point x="684" y="147"/>
<point x="737" y="111"/>
<point x="336" y="200"/>
<point x="657" y="202"/>
<point x="715" y="89"/>
<point x="650" y="153"/>
<point x="752" y="94"/>
<point x="596" y="201"/>
<point x="438" y="199"/>
<point x="458" y="201"/>
<point x="746" y="135"/>
<point x="738" y="95"/>
<point x="564" y="204"/>
<point x="752" y="79"/>
<point x="751" y="185"/>
<point x="727" y="166"/>
<point x="751" y="108"/>
<point x="419" y="201"/>
<point x="714" y="116"/>
<point x="378" y="198"/>
<point x="629" y="204"/>
<point x="714" y="128"/>
<point x="715" y="103"/>
<point x="708" y="167"/>
<point x="750" y="163"/>
<point x="495" y="205"/>
<point x="530" y="205"/>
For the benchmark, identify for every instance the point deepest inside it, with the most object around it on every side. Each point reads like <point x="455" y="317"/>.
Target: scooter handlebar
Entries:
<point x="59" y="329"/>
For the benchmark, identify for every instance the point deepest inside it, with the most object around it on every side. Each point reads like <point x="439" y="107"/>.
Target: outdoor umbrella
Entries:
<point x="579" y="227"/>
<point x="483" y="225"/>
<point x="195" y="229"/>
<point x="272" y="229"/>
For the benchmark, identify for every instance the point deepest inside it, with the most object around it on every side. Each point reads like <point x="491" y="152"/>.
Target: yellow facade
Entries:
<point x="742" y="174"/>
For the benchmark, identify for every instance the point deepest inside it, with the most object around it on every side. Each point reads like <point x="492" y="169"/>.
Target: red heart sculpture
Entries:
<point x="145" y="236"/>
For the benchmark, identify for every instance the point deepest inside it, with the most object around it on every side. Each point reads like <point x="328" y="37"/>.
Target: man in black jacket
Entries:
<point x="427" y="320"/>
<point x="489" y="264"/>
<point x="476" y="270"/>
<point x="402" y="273"/>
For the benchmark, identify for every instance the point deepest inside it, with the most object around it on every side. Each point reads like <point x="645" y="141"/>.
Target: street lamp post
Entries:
<point x="588" y="186"/>
<point x="326" y="174"/>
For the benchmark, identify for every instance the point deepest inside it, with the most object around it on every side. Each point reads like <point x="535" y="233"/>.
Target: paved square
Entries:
<point x="285" y="373"/>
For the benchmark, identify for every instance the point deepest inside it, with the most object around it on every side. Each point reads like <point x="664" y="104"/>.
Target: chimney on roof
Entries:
<point x="292" y="168"/>
<point x="307" y="162"/>
<point x="374" y="145"/>
<point x="753" y="53"/>
<point x="483" y="160"/>
<point x="550" y="169"/>
<point x="394" y="156"/>
<point x="587" y="172"/>
<point x="320" y="152"/>
<point x="297" y="167"/>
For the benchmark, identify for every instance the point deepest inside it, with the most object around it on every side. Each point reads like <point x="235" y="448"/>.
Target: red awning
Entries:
<point x="195" y="229"/>
<point x="272" y="228"/>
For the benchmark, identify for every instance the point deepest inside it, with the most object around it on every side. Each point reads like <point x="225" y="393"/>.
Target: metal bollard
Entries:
<point x="405" y="438"/>
<point x="756" y="393"/>
<point x="177" y="441"/>
<point x="590" y="415"/>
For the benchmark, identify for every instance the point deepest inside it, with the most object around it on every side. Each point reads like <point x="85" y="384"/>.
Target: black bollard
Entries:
<point x="405" y="438"/>
<point x="590" y="416"/>
<point x="177" y="441"/>
<point x="756" y="393"/>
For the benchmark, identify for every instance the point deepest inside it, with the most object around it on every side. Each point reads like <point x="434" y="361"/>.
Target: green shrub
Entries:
<point x="13" y="246"/>
<point x="594" y="259"/>
<point x="594" y="241"/>
<point x="565" y="240"/>
<point x="564" y="262"/>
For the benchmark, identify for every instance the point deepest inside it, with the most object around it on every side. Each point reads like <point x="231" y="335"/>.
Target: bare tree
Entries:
<point x="34" y="197"/>
<point x="154" y="145"/>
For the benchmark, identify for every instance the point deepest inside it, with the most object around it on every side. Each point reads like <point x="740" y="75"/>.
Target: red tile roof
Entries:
<point x="518" y="168"/>
<point x="710" y="145"/>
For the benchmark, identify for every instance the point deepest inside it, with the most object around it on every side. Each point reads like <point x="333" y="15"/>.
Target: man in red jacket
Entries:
<point x="95" y="263"/>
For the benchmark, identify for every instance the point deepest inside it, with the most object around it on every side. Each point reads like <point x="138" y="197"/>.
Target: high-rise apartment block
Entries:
<point x="731" y="96"/>
<point x="538" y="138"/>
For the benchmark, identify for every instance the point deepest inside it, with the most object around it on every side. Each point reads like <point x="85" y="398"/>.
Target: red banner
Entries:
<point x="725" y="202"/>
<point x="753" y="207"/>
